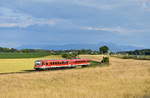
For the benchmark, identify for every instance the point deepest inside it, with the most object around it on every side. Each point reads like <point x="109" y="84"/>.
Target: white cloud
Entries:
<point x="96" y="4"/>
<point x="141" y="4"/>
<point x="10" y="44"/>
<point x="14" y="18"/>
<point x="118" y="29"/>
<point x="146" y="5"/>
<point x="115" y="4"/>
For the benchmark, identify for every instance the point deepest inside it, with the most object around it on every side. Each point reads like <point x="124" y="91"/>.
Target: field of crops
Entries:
<point x="22" y="55"/>
<point x="21" y="65"/>
<point x="138" y="57"/>
<point x="124" y="78"/>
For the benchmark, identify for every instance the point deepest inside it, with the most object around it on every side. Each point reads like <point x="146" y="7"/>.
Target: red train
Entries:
<point x="48" y="64"/>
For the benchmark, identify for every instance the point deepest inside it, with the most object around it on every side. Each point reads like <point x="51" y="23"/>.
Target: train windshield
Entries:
<point x="38" y="63"/>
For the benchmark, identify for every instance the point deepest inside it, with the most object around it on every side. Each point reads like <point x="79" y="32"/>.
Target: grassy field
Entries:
<point x="138" y="57"/>
<point x="21" y="65"/>
<point x="124" y="78"/>
<point x="22" y="55"/>
<point x="93" y="57"/>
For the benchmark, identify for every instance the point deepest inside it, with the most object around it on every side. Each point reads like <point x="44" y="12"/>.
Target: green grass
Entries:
<point x="22" y="55"/>
<point x="98" y="64"/>
<point x="21" y="65"/>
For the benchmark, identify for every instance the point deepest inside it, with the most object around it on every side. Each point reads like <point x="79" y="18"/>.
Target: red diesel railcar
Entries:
<point x="48" y="64"/>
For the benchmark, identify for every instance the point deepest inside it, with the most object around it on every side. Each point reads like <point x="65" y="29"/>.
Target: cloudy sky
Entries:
<point x="124" y="22"/>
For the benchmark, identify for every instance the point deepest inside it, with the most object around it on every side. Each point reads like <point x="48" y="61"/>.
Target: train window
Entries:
<point x="65" y="62"/>
<point x="37" y="63"/>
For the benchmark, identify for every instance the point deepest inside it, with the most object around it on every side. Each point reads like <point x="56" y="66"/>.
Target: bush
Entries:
<point x="69" y="55"/>
<point x="105" y="60"/>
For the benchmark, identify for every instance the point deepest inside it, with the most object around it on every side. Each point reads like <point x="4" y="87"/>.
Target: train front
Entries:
<point x="38" y="65"/>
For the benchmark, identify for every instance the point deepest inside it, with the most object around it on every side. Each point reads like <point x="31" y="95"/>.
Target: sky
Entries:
<point x="57" y="22"/>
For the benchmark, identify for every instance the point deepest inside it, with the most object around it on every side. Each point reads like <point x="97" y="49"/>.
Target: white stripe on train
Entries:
<point x="45" y="67"/>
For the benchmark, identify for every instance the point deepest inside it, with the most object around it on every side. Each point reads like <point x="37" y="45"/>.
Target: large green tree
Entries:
<point x="103" y="49"/>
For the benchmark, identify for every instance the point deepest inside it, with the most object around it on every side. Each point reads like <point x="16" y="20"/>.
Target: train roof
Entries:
<point x="52" y="60"/>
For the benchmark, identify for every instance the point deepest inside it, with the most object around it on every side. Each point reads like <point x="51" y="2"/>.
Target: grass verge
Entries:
<point x="98" y="64"/>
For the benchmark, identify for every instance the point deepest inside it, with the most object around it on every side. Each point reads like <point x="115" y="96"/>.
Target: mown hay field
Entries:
<point x="21" y="65"/>
<point x="138" y="57"/>
<point x="124" y="78"/>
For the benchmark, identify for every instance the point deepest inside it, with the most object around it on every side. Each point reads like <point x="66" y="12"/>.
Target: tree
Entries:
<point x="103" y="49"/>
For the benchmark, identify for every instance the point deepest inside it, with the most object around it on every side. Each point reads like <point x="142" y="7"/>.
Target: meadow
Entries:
<point x="22" y="55"/>
<point x="124" y="78"/>
<point x="137" y="57"/>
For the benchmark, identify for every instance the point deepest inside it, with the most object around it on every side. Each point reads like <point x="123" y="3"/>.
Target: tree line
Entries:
<point x="102" y="50"/>
<point x="54" y="52"/>
<point x="137" y="52"/>
<point x="68" y="54"/>
<point x="13" y="50"/>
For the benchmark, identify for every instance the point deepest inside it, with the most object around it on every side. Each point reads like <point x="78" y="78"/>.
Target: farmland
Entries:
<point x="124" y="78"/>
<point x="138" y="57"/>
<point x="22" y="55"/>
<point x="21" y="65"/>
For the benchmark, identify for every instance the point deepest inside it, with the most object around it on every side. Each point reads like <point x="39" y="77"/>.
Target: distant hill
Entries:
<point x="113" y="47"/>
